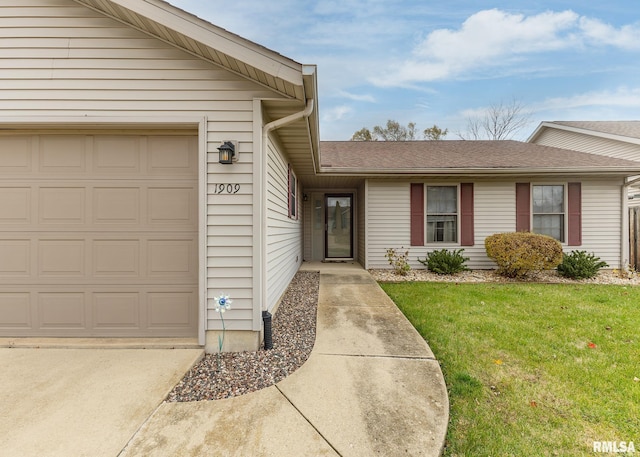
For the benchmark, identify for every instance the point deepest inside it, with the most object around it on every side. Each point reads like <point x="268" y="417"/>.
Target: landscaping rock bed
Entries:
<point x="229" y="374"/>
<point x="603" y="277"/>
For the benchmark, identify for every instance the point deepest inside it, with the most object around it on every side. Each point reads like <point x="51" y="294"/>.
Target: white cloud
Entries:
<point x="622" y="97"/>
<point x="496" y="40"/>
<point x="356" y="97"/>
<point x="626" y="37"/>
<point x="336" y="113"/>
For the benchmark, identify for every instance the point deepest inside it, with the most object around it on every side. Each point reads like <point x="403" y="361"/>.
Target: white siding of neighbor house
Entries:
<point x="61" y="60"/>
<point x="588" y="143"/>
<point x="388" y="220"/>
<point x="284" y="233"/>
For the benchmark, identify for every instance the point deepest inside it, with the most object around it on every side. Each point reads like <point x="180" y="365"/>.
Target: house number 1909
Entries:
<point x="226" y="188"/>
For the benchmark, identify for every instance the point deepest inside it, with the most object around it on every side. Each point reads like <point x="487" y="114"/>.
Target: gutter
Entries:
<point x="266" y="129"/>
<point x="360" y="171"/>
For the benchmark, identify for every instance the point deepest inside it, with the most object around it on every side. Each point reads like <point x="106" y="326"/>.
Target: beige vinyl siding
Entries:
<point x="61" y="60"/>
<point x="388" y="223"/>
<point x="588" y="143"/>
<point x="284" y="233"/>
<point x="494" y="212"/>
<point x="601" y="219"/>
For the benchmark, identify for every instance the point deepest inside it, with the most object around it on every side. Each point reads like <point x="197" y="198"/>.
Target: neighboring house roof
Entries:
<point x="463" y="157"/>
<point x="626" y="131"/>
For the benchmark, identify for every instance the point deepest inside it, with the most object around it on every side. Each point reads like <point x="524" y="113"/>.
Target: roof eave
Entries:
<point x="605" y="171"/>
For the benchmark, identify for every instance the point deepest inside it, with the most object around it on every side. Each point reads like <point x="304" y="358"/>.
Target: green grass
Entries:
<point x="522" y="376"/>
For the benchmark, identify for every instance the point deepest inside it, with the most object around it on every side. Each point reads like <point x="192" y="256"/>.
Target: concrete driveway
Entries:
<point x="82" y="402"/>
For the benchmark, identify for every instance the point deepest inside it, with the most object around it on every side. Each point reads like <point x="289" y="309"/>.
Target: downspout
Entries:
<point x="266" y="129"/>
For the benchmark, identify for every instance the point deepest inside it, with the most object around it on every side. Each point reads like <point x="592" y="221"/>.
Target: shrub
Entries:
<point x="580" y="265"/>
<point x="399" y="261"/>
<point x="520" y="253"/>
<point x="444" y="262"/>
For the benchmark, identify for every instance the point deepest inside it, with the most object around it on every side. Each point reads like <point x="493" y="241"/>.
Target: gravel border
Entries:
<point x="229" y="374"/>
<point x="617" y="277"/>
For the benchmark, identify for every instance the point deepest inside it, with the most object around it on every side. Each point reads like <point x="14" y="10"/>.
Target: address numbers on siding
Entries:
<point x="226" y="188"/>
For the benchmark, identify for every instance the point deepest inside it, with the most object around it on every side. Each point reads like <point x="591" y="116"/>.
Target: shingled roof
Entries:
<point x="630" y="129"/>
<point x="424" y="157"/>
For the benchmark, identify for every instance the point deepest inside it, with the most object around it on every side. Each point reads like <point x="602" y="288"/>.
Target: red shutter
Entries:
<point x="466" y="214"/>
<point x="289" y="203"/>
<point x="523" y="207"/>
<point x="417" y="214"/>
<point x="574" y="207"/>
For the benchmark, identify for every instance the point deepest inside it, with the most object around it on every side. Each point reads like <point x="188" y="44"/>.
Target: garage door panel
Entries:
<point x="105" y="311"/>
<point x="171" y="205"/>
<point x="116" y="258"/>
<point x="172" y="258"/>
<point x="63" y="154"/>
<point x="98" y="235"/>
<point x="16" y="155"/>
<point x="62" y="205"/>
<point x="116" y="310"/>
<point x="15" y="310"/>
<point x="116" y="205"/>
<point x="163" y="157"/>
<point x="61" y="257"/>
<point x="15" y="257"/>
<point x="15" y="205"/>
<point x="62" y="310"/>
<point x="171" y="309"/>
<point x="117" y="155"/>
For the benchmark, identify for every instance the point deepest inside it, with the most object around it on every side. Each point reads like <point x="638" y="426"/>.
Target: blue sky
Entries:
<point x="441" y="62"/>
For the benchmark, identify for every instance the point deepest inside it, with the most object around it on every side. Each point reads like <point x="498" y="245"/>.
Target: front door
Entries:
<point x="339" y="226"/>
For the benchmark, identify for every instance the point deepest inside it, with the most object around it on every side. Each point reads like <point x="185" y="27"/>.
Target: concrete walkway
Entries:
<point x="370" y="387"/>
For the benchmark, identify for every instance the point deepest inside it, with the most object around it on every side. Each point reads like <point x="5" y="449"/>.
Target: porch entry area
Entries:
<point x="332" y="221"/>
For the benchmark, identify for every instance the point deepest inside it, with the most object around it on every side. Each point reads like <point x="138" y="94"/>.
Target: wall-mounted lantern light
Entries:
<point x="227" y="152"/>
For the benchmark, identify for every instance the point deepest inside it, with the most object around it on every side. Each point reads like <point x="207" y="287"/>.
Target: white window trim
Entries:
<point x="292" y="195"/>
<point x="565" y="215"/>
<point x="426" y="216"/>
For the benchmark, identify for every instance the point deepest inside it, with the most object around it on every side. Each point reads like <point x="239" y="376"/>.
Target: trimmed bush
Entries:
<point x="520" y="253"/>
<point x="580" y="265"/>
<point x="444" y="262"/>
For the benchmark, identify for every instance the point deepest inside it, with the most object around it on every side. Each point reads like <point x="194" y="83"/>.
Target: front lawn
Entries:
<point x="532" y="369"/>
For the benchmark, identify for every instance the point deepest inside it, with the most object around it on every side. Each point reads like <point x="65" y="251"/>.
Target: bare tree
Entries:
<point x="500" y="122"/>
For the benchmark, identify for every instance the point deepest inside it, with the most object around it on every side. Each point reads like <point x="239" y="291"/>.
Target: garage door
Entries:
<point x="98" y="235"/>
